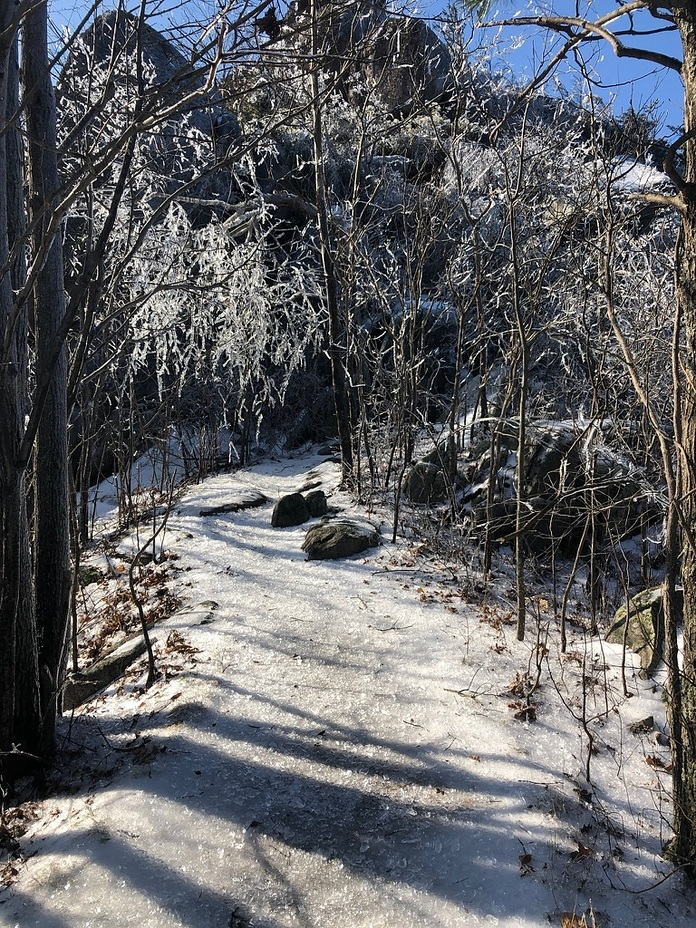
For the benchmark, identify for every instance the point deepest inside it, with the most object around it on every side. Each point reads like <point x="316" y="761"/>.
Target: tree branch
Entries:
<point x="584" y="30"/>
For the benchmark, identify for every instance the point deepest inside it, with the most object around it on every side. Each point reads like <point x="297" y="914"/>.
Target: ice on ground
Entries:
<point x="343" y="745"/>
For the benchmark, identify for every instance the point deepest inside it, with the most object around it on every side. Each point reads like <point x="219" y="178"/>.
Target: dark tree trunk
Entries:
<point x="51" y="519"/>
<point x="20" y="719"/>
<point x="338" y="348"/>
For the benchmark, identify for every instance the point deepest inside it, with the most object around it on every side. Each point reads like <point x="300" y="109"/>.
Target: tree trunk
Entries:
<point x="684" y="727"/>
<point x="20" y="719"/>
<point x="337" y="350"/>
<point x="52" y="524"/>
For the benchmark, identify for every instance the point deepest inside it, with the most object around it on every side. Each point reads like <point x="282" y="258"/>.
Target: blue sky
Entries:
<point x="519" y="50"/>
<point x="625" y="82"/>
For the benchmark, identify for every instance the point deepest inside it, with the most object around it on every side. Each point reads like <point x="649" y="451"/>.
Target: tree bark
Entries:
<point x="338" y="348"/>
<point x="684" y="727"/>
<point x="20" y="720"/>
<point x="51" y="517"/>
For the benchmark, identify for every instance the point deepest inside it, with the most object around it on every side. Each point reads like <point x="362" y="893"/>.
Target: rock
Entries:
<point x="401" y="56"/>
<point x="316" y="503"/>
<point x="82" y="686"/>
<point x="87" y="574"/>
<point x="642" y="726"/>
<point x="564" y="475"/>
<point x="424" y="483"/>
<point x="440" y="456"/>
<point x="309" y="485"/>
<point x="290" y="510"/>
<point x="410" y="65"/>
<point x="331" y="540"/>
<point x="106" y="54"/>
<point x="246" y="499"/>
<point x="646" y="627"/>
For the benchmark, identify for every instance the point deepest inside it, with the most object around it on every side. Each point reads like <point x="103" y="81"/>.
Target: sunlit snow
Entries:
<point x="341" y="751"/>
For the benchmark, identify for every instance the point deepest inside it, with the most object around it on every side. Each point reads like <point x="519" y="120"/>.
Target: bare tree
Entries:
<point x="628" y="29"/>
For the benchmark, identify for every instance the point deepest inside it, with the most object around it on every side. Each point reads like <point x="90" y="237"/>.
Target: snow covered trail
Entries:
<point x="314" y="764"/>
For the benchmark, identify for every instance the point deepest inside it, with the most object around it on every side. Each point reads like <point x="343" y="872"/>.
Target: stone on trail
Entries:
<point x="290" y="510"/>
<point x="316" y="503"/>
<point x="245" y="499"/>
<point x="330" y="540"/>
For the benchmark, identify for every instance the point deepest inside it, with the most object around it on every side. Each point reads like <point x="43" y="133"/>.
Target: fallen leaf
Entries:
<point x="652" y="760"/>
<point x="582" y="851"/>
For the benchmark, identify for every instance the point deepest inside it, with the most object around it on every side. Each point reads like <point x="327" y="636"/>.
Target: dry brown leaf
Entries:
<point x="652" y="760"/>
<point x="582" y="851"/>
<point x="177" y="643"/>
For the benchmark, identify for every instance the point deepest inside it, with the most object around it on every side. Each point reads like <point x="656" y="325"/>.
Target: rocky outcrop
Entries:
<point x="409" y="65"/>
<point x="99" y="75"/>
<point x="567" y="476"/>
<point x="400" y="56"/>
<point x="331" y="540"/>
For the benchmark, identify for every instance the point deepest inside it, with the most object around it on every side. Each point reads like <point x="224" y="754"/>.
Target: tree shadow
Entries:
<point x="415" y="830"/>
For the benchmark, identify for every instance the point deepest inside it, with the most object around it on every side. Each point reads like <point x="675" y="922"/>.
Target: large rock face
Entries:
<point x="400" y="56"/>
<point x="409" y="65"/>
<point x="566" y="478"/>
<point x="183" y="116"/>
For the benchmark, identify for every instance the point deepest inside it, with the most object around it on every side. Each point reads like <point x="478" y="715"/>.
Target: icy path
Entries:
<point x="311" y="765"/>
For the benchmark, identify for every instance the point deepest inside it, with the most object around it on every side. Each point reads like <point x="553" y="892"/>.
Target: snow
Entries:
<point x="336" y="746"/>
<point x="635" y="177"/>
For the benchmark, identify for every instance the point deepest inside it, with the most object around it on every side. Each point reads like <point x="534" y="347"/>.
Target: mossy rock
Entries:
<point x="331" y="540"/>
<point x="646" y="627"/>
<point x="89" y="574"/>
<point x="82" y="686"/>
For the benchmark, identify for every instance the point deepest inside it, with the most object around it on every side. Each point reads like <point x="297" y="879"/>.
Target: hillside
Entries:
<point x="344" y="744"/>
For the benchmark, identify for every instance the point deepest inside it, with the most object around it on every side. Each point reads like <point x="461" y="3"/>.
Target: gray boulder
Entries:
<point x="290" y="510"/>
<point x="316" y="503"/>
<point x="331" y="540"/>
<point x="425" y="483"/>
<point x="409" y="64"/>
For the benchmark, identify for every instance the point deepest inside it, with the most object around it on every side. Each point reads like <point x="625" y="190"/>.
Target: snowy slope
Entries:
<point x="341" y="750"/>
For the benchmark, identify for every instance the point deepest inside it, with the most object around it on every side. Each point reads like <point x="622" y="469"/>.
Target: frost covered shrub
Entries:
<point x="210" y="310"/>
